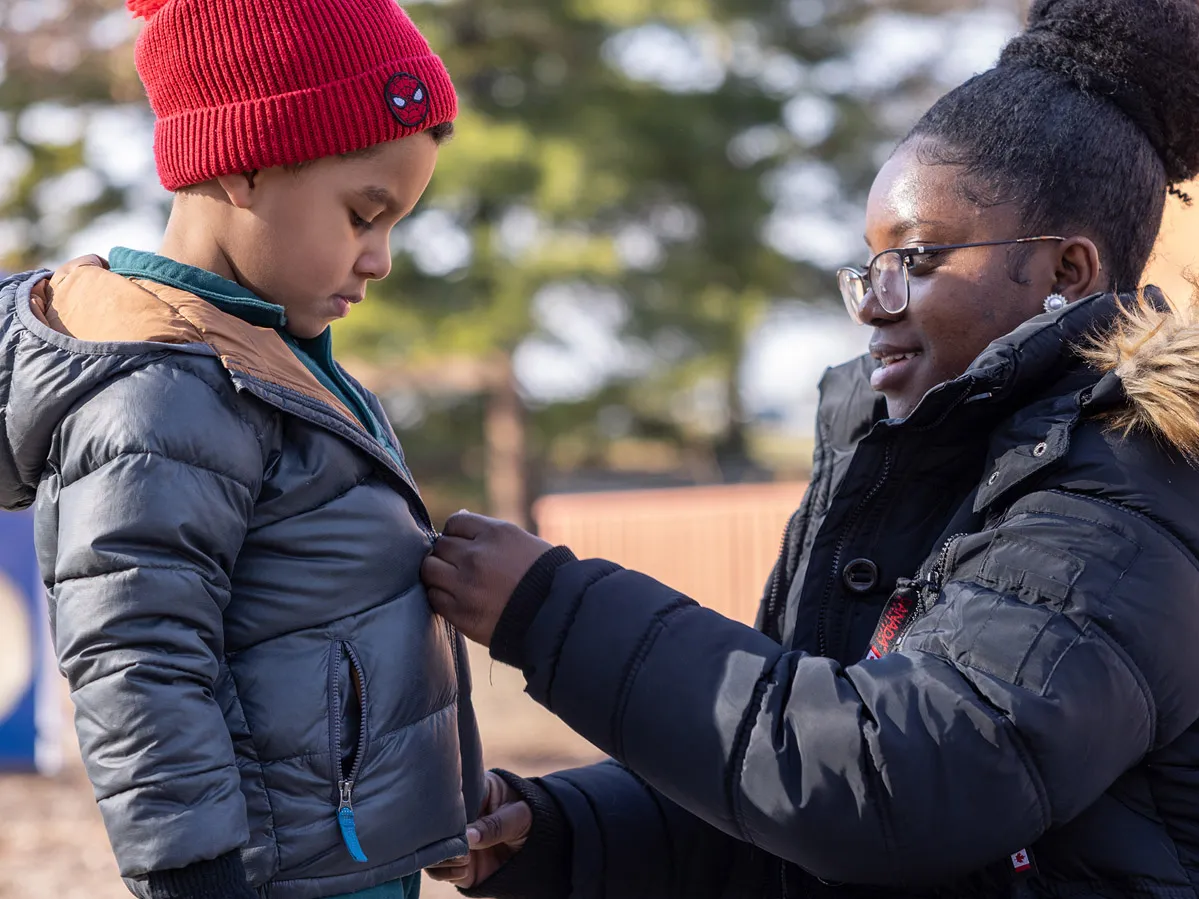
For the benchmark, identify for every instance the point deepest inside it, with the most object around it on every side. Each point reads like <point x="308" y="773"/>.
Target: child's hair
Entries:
<point x="440" y="134"/>
<point x="238" y="87"/>
<point x="1088" y="118"/>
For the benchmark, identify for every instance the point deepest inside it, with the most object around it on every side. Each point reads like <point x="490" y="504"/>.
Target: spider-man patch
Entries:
<point x="408" y="99"/>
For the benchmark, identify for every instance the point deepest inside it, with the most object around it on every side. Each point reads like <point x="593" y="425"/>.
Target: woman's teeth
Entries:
<point x="899" y="357"/>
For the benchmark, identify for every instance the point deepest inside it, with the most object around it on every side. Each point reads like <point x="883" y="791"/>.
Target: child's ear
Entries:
<point x="239" y="188"/>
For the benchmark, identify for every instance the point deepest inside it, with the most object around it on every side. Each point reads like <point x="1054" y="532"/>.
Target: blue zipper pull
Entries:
<point x="345" y="818"/>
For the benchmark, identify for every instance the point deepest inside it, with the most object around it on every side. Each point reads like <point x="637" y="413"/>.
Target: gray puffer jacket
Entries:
<point x="233" y="565"/>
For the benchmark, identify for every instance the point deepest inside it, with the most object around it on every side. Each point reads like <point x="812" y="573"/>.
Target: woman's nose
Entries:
<point x="870" y="310"/>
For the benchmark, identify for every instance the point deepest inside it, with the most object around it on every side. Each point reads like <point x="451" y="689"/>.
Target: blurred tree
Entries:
<point x="618" y="164"/>
<point x="633" y="183"/>
<point x="63" y="65"/>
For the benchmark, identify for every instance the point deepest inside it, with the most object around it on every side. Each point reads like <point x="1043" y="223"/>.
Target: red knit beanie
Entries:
<point x="240" y="85"/>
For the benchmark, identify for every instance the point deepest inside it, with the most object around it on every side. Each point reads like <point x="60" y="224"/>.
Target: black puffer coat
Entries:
<point x="1027" y="726"/>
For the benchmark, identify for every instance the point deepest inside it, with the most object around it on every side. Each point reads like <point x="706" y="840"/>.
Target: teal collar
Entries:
<point x="316" y="353"/>
<point x="222" y="293"/>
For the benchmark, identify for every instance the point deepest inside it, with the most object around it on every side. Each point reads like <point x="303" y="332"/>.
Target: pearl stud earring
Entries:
<point x="1055" y="302"/>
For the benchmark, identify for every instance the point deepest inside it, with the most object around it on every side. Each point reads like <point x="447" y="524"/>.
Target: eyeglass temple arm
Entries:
<point x="982" y="243"/>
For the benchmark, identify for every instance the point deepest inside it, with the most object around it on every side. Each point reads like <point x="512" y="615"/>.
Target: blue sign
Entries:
<point x="29" y="681"/>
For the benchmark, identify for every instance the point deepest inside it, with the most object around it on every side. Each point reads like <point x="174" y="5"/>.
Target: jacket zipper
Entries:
<point x="776" y="582"/>
<point x="826" y="601"/>
<point x="342" y="652"/>
<point x="928" y="587"/>
<point x="937" y="573"/>
<point x="415" y="504"/>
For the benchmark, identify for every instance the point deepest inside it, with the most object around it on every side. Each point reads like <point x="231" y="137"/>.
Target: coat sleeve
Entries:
<point x="628" y="841"/>
<point x="600" y="832"/>
<point x="142" y="516"/>
<point x="992" y="724"/>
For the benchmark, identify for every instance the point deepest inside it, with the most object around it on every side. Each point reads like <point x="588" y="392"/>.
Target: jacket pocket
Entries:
<point x="348" y="727"/>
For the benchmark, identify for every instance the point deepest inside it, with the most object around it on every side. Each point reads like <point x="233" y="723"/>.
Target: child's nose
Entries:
<point x="375" y="263"/>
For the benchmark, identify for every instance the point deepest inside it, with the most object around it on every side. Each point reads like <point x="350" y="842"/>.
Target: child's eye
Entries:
<point x="358" y="221"/>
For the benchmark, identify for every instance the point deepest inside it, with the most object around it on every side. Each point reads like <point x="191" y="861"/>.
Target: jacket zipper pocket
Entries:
<point x="342" y="654"/>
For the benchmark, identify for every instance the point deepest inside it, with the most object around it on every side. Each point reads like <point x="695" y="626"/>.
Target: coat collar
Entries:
<point x="1028" y="388"/>
<point x="226" y="295"/>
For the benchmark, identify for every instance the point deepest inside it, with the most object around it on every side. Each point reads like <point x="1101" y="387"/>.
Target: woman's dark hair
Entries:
<point x="1086" y="121"/>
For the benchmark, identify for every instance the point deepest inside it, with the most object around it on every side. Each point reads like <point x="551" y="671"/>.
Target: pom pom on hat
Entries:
<point x="144" y="9"/>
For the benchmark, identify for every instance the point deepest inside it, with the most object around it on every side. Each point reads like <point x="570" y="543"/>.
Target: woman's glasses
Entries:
<point x="888" y="275"/>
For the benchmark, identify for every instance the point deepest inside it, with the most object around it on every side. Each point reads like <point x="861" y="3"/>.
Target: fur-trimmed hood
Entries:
<point x="1153" y="348"/>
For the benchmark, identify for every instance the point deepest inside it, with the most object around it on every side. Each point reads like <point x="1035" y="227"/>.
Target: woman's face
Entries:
<point x="960" y="300"/>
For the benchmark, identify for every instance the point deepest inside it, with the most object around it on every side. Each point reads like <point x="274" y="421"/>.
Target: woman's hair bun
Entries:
<point x="145" y="9"/>
<point x="1142" y="55"/>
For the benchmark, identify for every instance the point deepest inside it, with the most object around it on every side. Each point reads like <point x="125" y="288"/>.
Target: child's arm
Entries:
<point x="142" y="519"/>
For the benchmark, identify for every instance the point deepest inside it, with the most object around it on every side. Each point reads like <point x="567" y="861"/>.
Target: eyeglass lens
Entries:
<point x="889" y="283"/>
<point x="853" y="290"/>
<point x="886" y="278"/>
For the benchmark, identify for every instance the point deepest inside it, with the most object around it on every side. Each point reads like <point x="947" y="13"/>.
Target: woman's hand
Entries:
<point x="498" y="834"/>
<point x="473" y="569"/>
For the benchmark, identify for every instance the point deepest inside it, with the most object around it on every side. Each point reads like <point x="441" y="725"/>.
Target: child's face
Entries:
<point x="310" y="240"/>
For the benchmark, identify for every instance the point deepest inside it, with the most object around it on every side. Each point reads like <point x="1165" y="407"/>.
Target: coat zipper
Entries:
<point x="343" y="651"/>
<point x="937" y="572"/>
<point x="415" y="504"/>
<point x="776" y="582"/>
<point x="826" y="601"/>
<point x="928" y="587"/>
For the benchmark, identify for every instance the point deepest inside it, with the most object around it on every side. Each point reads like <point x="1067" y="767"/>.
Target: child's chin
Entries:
<point x="306" y="329"/>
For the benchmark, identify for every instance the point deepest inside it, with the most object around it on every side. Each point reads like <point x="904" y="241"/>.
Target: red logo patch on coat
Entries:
<point x="408" y="99"/>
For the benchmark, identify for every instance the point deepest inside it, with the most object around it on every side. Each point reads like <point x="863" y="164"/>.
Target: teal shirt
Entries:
<point x="404" y="888"/>
<point x="317" y="356"/>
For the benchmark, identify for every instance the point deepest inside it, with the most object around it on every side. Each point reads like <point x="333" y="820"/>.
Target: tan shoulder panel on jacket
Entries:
<point x="243" y="347"/>
<point x="91" y="303"/>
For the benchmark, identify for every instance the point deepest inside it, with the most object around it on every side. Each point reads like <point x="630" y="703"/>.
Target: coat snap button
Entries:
<point x="1039" y="449"/>
<point x="860" y="575"/>
<point x="992" y="479"/>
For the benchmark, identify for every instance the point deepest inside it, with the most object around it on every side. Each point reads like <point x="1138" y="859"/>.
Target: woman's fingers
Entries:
<point x="437" y="572"/>
<point x="468" y="525"/>
<point x="454" y="551"/>
<point x="460" y="871"/>
<point x="510" y="823"/>
<point x="496" y="793"/>
<point x="493" y="837"/>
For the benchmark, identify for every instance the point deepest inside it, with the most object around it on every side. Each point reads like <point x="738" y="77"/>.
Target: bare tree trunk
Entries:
<point x="732" y="447"/>
<point x="504" y="436"/>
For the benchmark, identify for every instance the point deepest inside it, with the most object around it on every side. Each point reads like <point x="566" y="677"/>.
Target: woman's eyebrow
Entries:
<point x="900" y="228"/>
<point x="904" y="226"/>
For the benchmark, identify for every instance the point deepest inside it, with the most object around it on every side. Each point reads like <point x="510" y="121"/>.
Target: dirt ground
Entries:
<point x="53" y="845"/>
